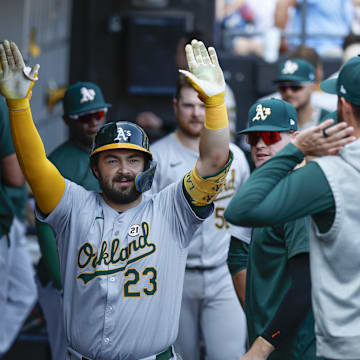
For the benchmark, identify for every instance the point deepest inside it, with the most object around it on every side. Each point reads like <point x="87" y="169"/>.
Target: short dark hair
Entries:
<point x="350" y="40"/>
<point x="181" y="82"/>
<point x="308" y="54"/>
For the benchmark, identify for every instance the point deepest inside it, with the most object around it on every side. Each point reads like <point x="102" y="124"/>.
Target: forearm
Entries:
<point x="44" y="179"/>
<point x="294" y="306"/>
<point x="11" y="171"/>
<point x="49" y="253"/>
<point x="245" y="207"/>
<point x="282" y="12"/>
<point x="214" y="141"/>
<point x="239" y="281"/>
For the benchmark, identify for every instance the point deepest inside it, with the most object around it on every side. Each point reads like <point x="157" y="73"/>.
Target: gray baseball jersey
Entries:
<point x="122" y="272"/>
<point x="210" y="244"/>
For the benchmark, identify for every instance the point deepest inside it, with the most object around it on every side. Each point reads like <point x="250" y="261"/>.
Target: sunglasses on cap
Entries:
<point x="85" y="118"/>
<point x="269" y="137"/>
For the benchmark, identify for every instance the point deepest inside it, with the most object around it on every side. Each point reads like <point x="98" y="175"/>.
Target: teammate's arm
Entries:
<point x="273" y="194"/>
<point x="11" y="174"/>
<point x="237" y="262"/>
<point x="295" y="304"/>
<point x="49" y="253"/>
<point x="281" y="14"/>
<point x="16" y="82"/>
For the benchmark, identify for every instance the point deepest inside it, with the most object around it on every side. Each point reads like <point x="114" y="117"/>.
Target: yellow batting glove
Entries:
<point x="16" y="79"/>
<point x="205" y="74"/>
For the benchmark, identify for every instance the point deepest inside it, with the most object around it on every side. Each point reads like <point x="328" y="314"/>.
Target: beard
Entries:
<point x="115" y="193"/>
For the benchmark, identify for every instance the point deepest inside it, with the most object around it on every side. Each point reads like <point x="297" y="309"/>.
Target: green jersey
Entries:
<point x="7" y="210"/>
<point x="73" y="164"/>
<point x="268" y="280"/>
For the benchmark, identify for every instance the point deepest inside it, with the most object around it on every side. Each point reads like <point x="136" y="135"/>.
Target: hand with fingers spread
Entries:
<point x="205" y="73"/>
<point x="323" y="140"/>
<point x="16" y="80"/>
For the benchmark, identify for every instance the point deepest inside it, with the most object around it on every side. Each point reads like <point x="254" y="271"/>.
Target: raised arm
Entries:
<point x="207" y="79"/>
<point x="16" y="82"/>
<point x="282" y="12"/>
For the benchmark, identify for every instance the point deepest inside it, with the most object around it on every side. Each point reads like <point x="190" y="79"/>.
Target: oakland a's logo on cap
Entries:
<point x="289" y="67"/>
<point x="122" y="135"/>
<point x="87" y="95"/>
<point x="261" y="113"/>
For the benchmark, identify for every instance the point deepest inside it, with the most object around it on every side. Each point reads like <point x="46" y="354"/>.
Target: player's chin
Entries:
<point x="261" y="160"/>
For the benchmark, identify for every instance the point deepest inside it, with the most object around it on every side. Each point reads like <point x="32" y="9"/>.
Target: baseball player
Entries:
<point x="278" y="288"/>
<point x="295" y="82"/>
<point x="17" y="287"/>
<point x="327" y="189"/>
<point x="84" y="113"/>
<point x="208" y="296"/>
<point x="122" y="253"/>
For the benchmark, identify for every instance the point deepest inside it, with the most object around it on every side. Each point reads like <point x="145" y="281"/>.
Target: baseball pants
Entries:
<point x="211" y="313"/>
<point x="50" y="300"/>
<point x="18" y="292"/>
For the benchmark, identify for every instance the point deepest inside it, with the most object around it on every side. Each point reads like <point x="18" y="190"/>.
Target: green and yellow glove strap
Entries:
<point x="44" y="179"/>
<point x="203" y="191"/>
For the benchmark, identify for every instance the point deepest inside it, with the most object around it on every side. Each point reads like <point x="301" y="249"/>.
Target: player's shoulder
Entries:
<point x="237" y="152"/>
<point x="163" y="143"/>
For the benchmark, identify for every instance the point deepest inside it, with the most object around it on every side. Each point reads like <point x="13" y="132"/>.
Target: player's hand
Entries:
<point x="205" y="73"/>
<point x="314" y="142"/>
<point x="259" y="350"/>
<point x="16" y="80"/>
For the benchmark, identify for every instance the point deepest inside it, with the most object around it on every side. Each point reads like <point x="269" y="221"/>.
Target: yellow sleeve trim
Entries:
<point x="216" y="118"/>
<point x="203" y="191"/>
<point x="43" y="177"/>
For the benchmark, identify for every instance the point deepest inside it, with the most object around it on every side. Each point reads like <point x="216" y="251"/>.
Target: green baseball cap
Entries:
<point x="297" y="70"/>
<point x="271" y="115"/>
<point x="83" y="97"/>
<point x="347" y="82"/>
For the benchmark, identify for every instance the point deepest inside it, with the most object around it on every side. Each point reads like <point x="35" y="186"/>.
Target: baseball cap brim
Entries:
<point x="115" y="146"/>
<point x="89" y="109"/>
<point x="329" y="86"/>
<point x="263" y="128"/>
<point x="292" y="78"/>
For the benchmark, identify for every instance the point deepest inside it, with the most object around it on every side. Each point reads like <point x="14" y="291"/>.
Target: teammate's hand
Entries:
<point x="259" y="350"/>
<point x="205" y="73"/>
<point x="323" y="140"/>
<point x="16" y="80"/>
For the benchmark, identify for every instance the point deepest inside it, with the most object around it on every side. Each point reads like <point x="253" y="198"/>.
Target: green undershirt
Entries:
<point x="275" y="194"/>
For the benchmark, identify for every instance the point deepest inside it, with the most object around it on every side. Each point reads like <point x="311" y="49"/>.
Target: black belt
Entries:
<point x="165" y="355"/>
<point x="201" y="268"/>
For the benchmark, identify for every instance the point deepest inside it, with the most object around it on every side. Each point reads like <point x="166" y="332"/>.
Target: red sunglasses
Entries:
<point x="86" y="118"/>
<point x="98" y="115"/>
<point x="269" y="137"/>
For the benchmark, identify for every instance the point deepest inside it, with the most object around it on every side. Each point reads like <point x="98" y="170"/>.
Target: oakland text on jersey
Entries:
<point x="114" y="254"/>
